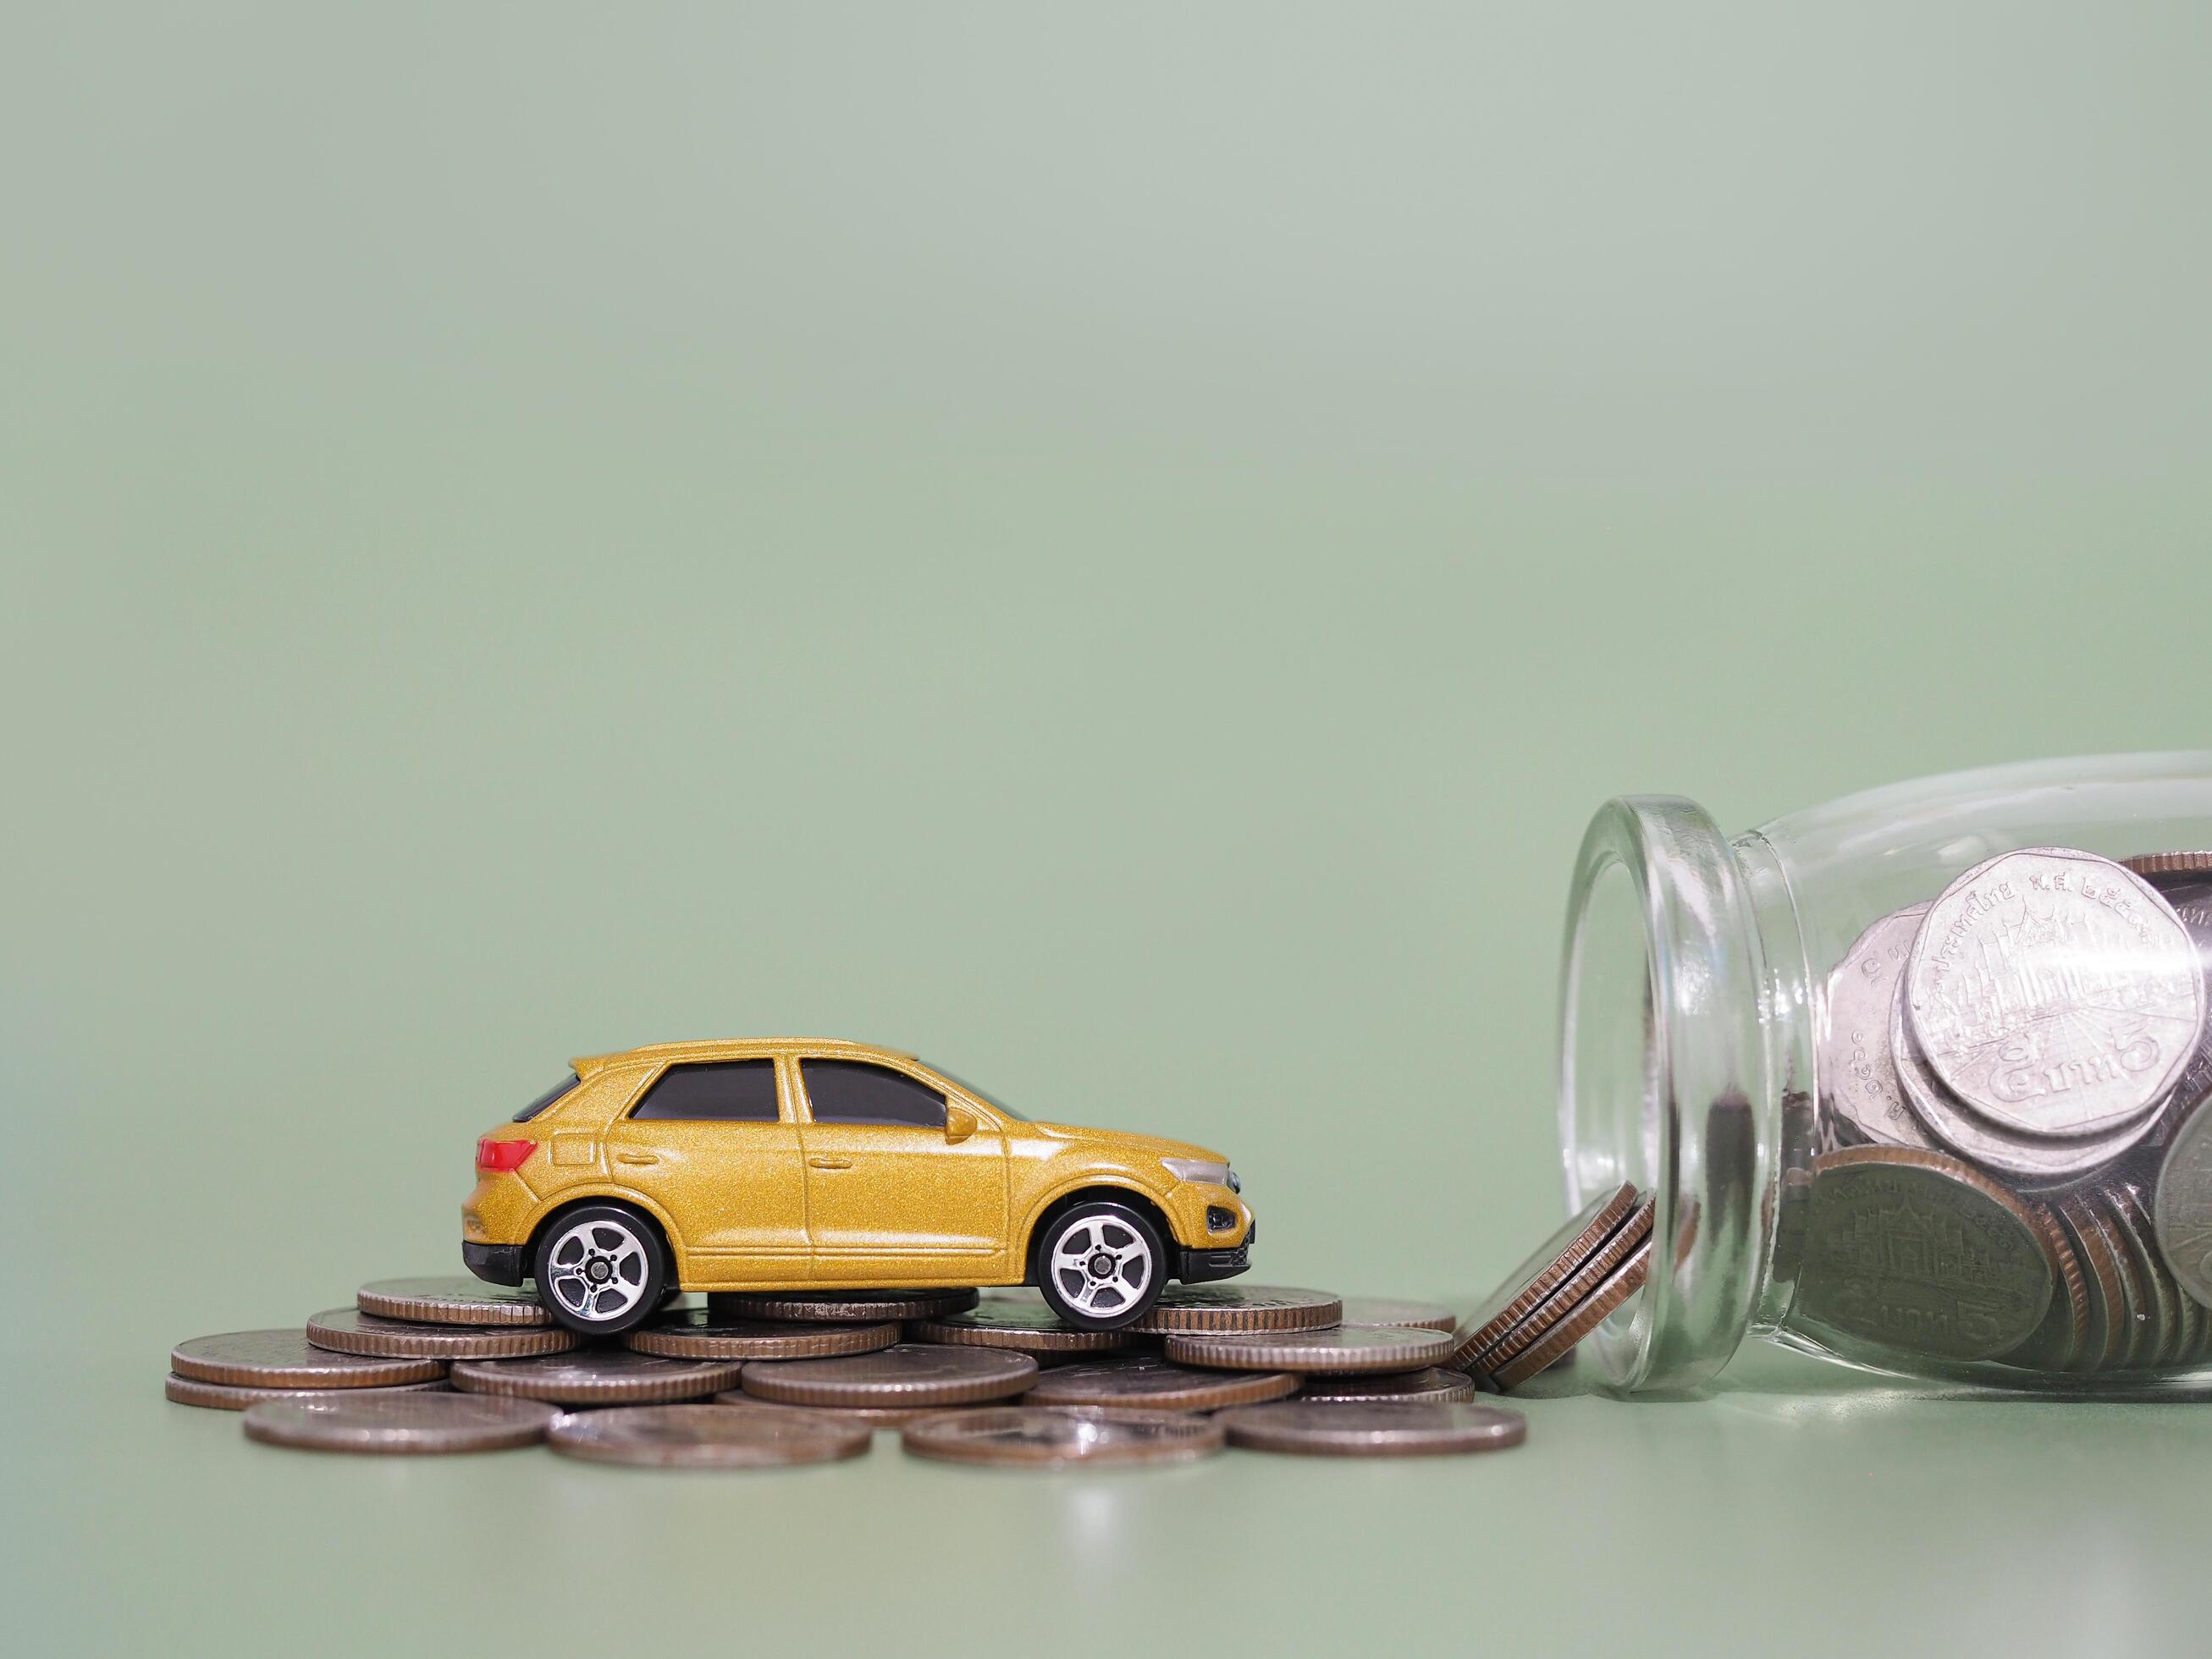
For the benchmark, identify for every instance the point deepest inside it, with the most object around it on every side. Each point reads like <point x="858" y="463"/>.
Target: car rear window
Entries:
<point x="546" y="1099"/>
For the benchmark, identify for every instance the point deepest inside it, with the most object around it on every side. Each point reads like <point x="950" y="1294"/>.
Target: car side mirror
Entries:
<point x="959" y="1124"/>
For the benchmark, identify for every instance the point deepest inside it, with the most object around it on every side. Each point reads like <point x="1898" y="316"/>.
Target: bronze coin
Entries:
<point x="911" y="1374"/>
<point x="1042" y="1436"/>
<point x="598" y="1376"/>
<point x="1148" y="1383"/>
<point x="1374" y="1428"/>
<point x="2145" y="1332"/>
<point x="1592" y="1311"/>
<point x="450" y="1300"/>
<point x="1341" y="1351"/>
<point x="1480" y="1326"/>
<point x="1431" y="1384"/>
<point x="697" y="1333"/>
<point x="232" y="1397"/>
<point x="1018" y="1320"/>
<point x="349" y="1330"/>
<point x="2106" y="1342"/>
<point x="747" y="1437"/>
<point x="1392" y="1313"/>
<point x="2171" y="863"/>
<point x="403" y="1425"/>
<point x="873" y="1417"/>
<point x="1239" y="1308"/>
<point x="2056" y="1344"/>
<point x="835" y="1307"/>
<point x="1530" y="1329"/>
<point x="286" y="1360"/>
<point x="1919" y="1251"/>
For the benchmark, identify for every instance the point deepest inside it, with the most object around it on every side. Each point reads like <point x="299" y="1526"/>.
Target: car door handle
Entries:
<point x="829" y="1163"/>
<point x="635" y="1158"/>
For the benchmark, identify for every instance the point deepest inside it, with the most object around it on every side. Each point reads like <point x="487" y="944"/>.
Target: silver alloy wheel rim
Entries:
<point x="1100" y="1265"/>
<point x="597" y="1270"/>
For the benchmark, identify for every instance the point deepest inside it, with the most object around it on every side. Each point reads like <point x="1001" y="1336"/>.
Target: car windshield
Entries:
<point x="991" y="1101"/>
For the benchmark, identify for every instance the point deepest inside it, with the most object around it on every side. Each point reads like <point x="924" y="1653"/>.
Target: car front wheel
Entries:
<point x="1100" y="1264"/>
<point x="600" y="1270"/>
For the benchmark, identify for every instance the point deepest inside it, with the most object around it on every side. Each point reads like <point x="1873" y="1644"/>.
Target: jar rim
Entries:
<point x="1686" y="1107"/>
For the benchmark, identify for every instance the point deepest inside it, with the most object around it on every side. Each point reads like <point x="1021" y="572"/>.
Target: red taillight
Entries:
<point x="501" y="1156"/>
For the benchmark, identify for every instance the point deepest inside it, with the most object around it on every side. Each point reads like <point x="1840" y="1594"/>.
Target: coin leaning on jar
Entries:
<point x="1535" y="1279"/>
<point x="2055" y="993"/>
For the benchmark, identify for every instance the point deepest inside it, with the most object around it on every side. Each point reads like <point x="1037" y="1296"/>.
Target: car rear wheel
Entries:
<point x="600" y="1270"/>
<point x="1100" y="1264"/>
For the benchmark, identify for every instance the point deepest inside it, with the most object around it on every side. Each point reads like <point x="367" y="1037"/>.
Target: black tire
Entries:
<point x="567" y="1260"/>
<point x="1076" y="1244"/>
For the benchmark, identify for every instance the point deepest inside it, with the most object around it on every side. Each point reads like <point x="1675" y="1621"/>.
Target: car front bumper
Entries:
<point x="495" y="1264"/>
<point x="1195" y="1267"/>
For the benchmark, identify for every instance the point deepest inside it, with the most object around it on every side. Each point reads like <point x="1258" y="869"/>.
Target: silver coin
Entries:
<point x="405" y="1424"/>
<point x="1859" y="1085"/>
<point x="2055" y="993"/>
<point x="1374" y="1428"/>
<point x="2037" y="1160"/>
<point x="2181" y="1205"/>
<point x="732" y="1437"/>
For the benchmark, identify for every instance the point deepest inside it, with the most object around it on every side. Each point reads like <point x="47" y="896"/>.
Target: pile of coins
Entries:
<point x="755" y="1380"/>
<point x="2016" y="1119"/>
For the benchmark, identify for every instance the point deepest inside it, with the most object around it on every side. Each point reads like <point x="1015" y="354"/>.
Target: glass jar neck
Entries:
<point x="1686" y="1034"/>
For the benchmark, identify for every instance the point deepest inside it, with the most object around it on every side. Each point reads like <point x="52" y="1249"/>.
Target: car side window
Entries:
<point x="714" y="1091"/>
<point x="856" y="1091"/>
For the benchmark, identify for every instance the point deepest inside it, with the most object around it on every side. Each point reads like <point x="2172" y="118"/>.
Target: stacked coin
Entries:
<point x="1572" y="1283"/>
<point x="2016" y="1108"/>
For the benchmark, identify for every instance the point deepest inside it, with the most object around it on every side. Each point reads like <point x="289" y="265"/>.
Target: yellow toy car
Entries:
<point x="791" y="1164"/>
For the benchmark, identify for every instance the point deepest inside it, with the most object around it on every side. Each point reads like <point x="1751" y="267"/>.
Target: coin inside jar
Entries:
<point x="911" y="1373"/>
<point x="2181" y="1205"/>
<point x="402" y="1424"/>
<point x="1055" y="1437"/>
<point x="1859" y="1072"/>
<point x="450" y="1300"/>
<point x="1917" y="1250"/>
<point x="599" y="1377"/>
<point x="1150" y="1382"/>
<point x="2055" y="993"/>
<point x="1329" y="1428"/>
<point x="1239" y="1308"/>
<point x="701" y="1333"/>
<point x="715" y="1437"/>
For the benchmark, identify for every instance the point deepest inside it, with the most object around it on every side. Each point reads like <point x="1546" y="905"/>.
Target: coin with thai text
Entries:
<point x="2055" y="993"/>
<point x="234" y="1397"/>
<point x="450" y="1299"/>
<point x="2181" y="1205"/>
<point x="1018" y="1320"/>
<point x="1339" y="1350"/>
<point x="398" y="1424"/>
<point x="707" y="1437"/>
<point x="1149" y="1383"/>
<point x="349" y="1330"/>
<point x="1392" y="1312"/>
<point x="1239" y="1308"/>
<point x="599" y="1377"/>
<point x="1859" y="1085"/>
<point x="913" y="1373"/>
<point x="286" y="1360"/>
<point x="836" y="1307"/>
<point x="1374" y="1428"/>
<point x="700" y="1334"/>
<point x="1483" y="1323"/>
<point x="1431" y="1384"/>
<point x="1917" y="1250"/>
<point x="1042" y="1437"/>
<point x="2059" y="1342"/>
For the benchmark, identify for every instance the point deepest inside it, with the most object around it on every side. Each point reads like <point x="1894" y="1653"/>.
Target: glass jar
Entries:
<point x="1905" y="1094"/>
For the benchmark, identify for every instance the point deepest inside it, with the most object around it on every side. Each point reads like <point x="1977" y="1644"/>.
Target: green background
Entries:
<point x="1116" y="547"/>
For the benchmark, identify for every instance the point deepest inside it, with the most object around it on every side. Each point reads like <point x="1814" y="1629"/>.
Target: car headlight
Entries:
<point x="1200" y="1168"/>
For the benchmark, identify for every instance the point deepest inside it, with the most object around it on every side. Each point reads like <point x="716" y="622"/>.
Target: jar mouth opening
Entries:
<point x="1664" y="1081"/>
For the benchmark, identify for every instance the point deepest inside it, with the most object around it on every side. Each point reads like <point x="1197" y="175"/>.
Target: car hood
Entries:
<point x="1126" y="1140"/>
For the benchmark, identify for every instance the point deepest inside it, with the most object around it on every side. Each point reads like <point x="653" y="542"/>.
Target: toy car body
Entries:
<point x="796" y="1164"/>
